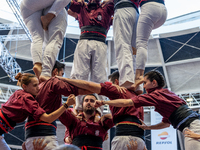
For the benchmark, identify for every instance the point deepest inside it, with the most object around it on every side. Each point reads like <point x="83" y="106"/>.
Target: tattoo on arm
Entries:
<point x="131" y="103"/>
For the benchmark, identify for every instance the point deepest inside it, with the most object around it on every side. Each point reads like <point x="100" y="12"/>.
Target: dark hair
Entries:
<point x="113" y="76"/>
<point x="156" y="75"/>
<point x="59" y="66"/>
<point x="24" y="78"/>
<point x="90" y="95"/>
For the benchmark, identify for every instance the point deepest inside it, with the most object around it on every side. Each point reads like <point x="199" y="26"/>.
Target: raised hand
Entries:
<point x="81" y="1"/>
<point x="98" y="103"/>
<point x="71" y="100"/>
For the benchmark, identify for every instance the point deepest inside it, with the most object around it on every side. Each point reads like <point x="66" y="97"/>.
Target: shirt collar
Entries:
<point x="91" y="119"/>
<point x="153" y="89"/>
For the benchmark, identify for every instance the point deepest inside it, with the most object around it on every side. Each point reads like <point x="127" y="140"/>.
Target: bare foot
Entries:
<point x="127" y="85"/>
<point x="139" y="89"/>
<point x="134" y="50"/>
<point x="37" y="69"/>
<point x="138" y="81"/>
<point x="46" y="20"/>
<point x="135" y="86"/>
<point x="43" y="78"/>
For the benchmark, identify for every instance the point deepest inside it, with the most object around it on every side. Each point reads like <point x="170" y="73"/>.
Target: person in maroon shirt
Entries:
<point x="90" y="56"/>
<point x="22" y="104"/>
<point x="67" y="138"/>
<point x="126" y="119"/>
<point x="173" y="109"/>
<point x="49" y="99"/>
<point x="87" y="133"/>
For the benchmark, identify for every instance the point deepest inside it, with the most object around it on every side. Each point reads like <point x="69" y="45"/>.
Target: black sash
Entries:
<point x="128" y="129"/>
<point x="180" y="114"/>
<point x="158" y="1"/>
<point x="88" y="140"/>
<point x="6" y="124"/>
<point x="93" y="33"/>
<point x="119" y="4"/>
<point x="39" y="128"/>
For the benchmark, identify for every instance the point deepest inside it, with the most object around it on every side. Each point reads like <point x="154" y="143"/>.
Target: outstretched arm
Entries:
<point x="160" y="125"/>
<point x="56" y="114"/>
<point x="87" y="85"/>
<point x="116" y="103"/>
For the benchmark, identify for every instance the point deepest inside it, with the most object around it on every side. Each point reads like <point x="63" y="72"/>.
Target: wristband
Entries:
<point x="65" y="105"/>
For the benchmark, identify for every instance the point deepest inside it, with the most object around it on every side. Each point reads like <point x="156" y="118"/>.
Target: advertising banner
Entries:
<point x="163" y="139"/>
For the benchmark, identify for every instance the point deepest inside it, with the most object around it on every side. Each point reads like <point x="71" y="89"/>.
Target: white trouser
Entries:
<point x="90" y="58"/>
<point x="53" y="37"/>
<point x="121" y="142"/>
<point x="124" y="30"/>
<point x="3" y="144"/>
<point x="191" y="143"/>
<point x="152" y="16"/>
<point x="33" y="6"/>
<point x="51" y="141"/>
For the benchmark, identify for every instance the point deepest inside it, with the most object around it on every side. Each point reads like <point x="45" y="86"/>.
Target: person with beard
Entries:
<point x="90" y="56"/>
<point x="126" y="119"/>
<point x="49" y="99"/>
<point x="87" y="133"/>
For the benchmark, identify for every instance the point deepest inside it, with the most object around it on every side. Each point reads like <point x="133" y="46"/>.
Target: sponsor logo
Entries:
<point x="164" y="142"/>
<point x="164" y="135"/>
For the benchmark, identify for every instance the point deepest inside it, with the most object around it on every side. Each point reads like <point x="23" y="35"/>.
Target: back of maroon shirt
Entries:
<point x="20" y="105"/>
<point x="165" y="102"/>
<point x="49" y="96"/>
<point x="112" y="93"/>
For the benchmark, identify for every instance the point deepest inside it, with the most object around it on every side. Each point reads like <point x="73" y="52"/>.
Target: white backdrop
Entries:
<point x="163" y="139"/>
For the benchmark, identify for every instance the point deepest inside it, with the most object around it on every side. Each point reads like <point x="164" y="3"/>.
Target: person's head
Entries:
<point x="114" y="77"/>
<point x="88" y="104"/>
<point x="67" y="147"/>
<point x="29" y="82"/>
<point x="58" y="69"/>
<point x="153" y="79"/>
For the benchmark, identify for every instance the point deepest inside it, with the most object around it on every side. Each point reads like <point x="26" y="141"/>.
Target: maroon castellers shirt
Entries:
<point x="21" y="105"/>
<point x="112" y="93"/>
<point x="49" y="96"/>
<point x="165" y="101"/>
<point x="76" y="127"/>
<point x="96" y="17"/>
